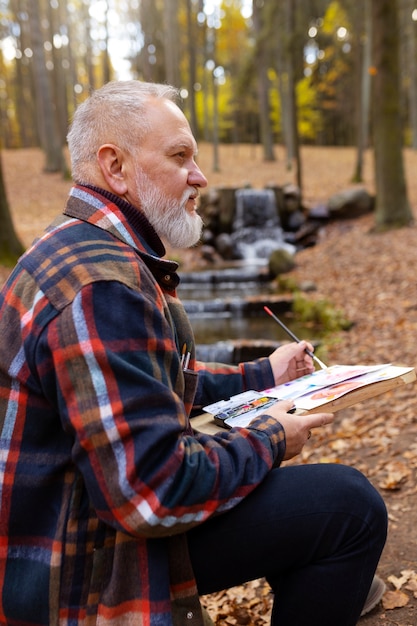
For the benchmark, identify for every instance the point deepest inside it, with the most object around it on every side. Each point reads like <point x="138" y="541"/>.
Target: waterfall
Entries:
<point x="257" y="231"/>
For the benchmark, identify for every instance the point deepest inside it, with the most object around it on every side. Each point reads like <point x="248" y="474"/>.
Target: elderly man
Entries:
<point x="114" y="510"/>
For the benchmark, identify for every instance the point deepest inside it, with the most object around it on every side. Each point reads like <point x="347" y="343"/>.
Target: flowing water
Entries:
<point x="225" y="305"/>
<point x="227" y="309"/>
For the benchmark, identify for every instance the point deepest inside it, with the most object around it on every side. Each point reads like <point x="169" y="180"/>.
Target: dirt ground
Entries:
<point x="371" y="277"/>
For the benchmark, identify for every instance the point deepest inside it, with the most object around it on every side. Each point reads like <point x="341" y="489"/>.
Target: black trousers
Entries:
<point x="316" y="532"/>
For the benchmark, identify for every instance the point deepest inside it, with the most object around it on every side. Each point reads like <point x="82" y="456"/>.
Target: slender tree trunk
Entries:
<point x="171" y="42"/>
<point x="292" y="96"/>
<point x="283" y="84"/>
<point x="50" y="138"/>
<point x="58" y="74"/>
<point x="216" y="157"/>
<point x="365" y="93"/>
<point x="192" y="73"/>
<point x="106" y="64"/>
<point x="215" y="109"/>
<point x="71" y="73"/>
<point x="88" y="55"/>
<point x="412" y="71"/>
<point x="262" y="83"/>
<point x="23" y="85"/>
<point x="10" y="246"/>
<point x="392" y="206"/>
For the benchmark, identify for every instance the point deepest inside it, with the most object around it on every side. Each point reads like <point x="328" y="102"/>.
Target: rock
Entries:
<point x="307" y="286"/>
<point x="210" y="254"/>
<point x="295" y="220"/>
<point x="350" y="203"/>
<point x="224" y="245"/>
<point x="280" y="262"/>
<point x="319" y="212"/>
<point x="292" y="197"/>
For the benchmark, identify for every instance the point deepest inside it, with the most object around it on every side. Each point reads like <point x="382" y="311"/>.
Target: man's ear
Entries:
<point x="111" y="162"/>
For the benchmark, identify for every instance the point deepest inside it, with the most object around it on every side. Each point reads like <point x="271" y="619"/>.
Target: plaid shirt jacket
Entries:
<point x="101" y="473"/>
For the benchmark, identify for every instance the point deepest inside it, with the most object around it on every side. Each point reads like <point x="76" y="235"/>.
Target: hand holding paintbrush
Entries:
<point x="295" y="338"/>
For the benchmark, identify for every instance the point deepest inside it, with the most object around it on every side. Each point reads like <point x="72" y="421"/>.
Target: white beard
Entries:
<point x="168" y="216"/>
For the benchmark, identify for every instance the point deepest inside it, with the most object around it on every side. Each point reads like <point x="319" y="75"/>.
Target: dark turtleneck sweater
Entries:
<point x="136" y="218"/>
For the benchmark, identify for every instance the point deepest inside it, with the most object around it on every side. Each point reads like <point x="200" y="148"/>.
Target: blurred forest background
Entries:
<point x="268" y="72"/>
<point x="333" y="82"/>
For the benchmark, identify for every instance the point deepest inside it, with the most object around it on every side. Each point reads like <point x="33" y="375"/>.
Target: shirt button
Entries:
<point x="190" y="615"/>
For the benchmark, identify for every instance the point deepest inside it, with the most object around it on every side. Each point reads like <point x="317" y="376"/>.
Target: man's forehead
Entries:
<point x="169" y="123"/>
<point x="166" y="111"/>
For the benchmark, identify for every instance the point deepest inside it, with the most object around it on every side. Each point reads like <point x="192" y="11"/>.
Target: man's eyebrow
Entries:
<point x="189" y="147"/>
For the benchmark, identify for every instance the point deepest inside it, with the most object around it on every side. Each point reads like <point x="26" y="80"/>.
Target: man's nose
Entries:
<point x="196" y="177"/>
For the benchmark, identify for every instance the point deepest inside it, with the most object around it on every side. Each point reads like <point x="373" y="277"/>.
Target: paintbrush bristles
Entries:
<point x="295" y="338"/>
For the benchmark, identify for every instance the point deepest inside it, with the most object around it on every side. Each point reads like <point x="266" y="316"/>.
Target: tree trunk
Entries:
<point x="364" y="93"/>
<point x="171" y="42"/>
<point x="192" y="73"/>
<point x="10" y="246"/>
<point x="283" y="85"/>
<point x="292" y="96"/>
<point x="51" y="144"/>
<point x="59" y="74"/>
<point x="106" y="64"/>
<point x="412" y="71"/>
<point x="28" y="134"/>
<point x="71" y="72"/>
<point x="88" y="55"/>
<point x="262" y="83"/>
<point x="392" y="206"/>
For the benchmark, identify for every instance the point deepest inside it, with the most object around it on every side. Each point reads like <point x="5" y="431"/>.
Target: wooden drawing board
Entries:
<point x="205" y="423"/>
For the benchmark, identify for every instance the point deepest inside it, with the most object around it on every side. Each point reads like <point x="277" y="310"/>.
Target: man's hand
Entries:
<point x="291" y="361"/>
<point x="297" y="427"/>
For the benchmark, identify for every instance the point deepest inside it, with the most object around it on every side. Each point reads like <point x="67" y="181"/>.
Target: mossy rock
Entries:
<point x="280" y="262"/>
<point x="320" y="313"/>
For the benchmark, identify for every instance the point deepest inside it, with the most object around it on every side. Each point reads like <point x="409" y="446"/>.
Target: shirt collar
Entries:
<point x="136" y="218"/>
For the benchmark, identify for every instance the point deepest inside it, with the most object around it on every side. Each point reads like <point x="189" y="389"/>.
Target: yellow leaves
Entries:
<point x="407" y="576"/>
<point x="248" y="604"/>
<point x="397" y="473"/>
<point x="251" y="604"/>
<point x="339" y="445"/>
<point x="397" y="598"/>
<point x="394" y="600"/>
<point x="335" y="16"/>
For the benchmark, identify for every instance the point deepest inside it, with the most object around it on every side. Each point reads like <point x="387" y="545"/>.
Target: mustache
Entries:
<point x="193" y="192"/>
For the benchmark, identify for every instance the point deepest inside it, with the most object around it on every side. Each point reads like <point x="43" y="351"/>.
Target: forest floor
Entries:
<point x="372" y="279"/>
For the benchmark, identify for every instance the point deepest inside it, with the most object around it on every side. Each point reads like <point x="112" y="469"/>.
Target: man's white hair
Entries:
<point x="115" y="113"/>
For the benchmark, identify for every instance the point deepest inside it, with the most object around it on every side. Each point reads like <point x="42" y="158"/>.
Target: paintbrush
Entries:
<point x="291" y="334"/>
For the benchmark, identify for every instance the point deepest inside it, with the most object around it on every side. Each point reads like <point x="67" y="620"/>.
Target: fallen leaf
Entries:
<point x="412" y="586"/>
<point x="394" y="600"/>
<point x="397" y="475"/>
<point x="339" y="445"/>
